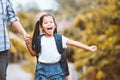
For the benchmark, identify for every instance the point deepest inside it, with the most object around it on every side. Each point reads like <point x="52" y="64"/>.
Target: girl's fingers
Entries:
<point x="93" y="48"/>
<point x="28" y="41"/>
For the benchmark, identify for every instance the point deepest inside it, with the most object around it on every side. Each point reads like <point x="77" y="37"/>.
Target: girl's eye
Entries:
<point x="51" y="22"/>
<point x="45" y="23"/>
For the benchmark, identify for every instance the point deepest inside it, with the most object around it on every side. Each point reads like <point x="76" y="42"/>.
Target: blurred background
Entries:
<point x="92" y="22"/>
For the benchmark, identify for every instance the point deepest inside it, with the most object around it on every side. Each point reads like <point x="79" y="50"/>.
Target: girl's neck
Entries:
<point x="49" y="36"/>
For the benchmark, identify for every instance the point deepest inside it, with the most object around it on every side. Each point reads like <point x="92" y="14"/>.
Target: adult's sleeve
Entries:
<point x="11" y="16"/>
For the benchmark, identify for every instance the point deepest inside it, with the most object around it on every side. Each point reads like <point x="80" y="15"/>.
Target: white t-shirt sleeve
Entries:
<point x="64" y="41"/>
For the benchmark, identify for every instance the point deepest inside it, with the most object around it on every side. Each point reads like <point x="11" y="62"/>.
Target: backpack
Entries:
<point x="61" y="50"/>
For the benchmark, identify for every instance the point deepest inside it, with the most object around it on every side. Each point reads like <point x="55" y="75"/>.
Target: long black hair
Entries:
<point x="38" y="25"/>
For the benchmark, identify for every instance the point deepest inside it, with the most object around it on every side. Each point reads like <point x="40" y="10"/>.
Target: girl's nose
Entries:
<point x="49" y="23"/>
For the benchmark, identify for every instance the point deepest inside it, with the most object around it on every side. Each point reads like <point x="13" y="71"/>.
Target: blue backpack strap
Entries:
<point x="62" y="51"/>
<point x="58" y="40"/>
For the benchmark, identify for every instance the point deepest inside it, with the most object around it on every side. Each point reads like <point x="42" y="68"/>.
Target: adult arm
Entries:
<point x="17" y="25"/>
<point x="13" y="20"/>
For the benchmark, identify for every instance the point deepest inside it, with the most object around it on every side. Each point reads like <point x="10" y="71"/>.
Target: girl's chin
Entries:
<point x="50" y="34"/>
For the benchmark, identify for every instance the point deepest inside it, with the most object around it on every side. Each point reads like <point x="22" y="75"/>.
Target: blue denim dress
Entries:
<point x="49" y="72"/>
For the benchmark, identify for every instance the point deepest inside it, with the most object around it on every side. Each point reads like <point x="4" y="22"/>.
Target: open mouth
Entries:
<point x="49" y="28"/>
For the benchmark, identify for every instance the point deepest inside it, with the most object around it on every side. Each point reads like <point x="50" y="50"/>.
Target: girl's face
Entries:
<point x="48" y="25"/>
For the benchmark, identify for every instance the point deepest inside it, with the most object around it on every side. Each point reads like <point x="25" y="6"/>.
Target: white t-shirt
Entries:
<point x="49" y="52"/>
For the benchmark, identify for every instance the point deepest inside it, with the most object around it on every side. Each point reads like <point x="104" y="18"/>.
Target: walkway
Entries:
<point x="73" y="74"/>
<point x="15" y="72"/>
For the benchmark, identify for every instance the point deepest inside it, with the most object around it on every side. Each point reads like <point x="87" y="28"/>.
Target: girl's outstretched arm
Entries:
<point x="80" y="45"/>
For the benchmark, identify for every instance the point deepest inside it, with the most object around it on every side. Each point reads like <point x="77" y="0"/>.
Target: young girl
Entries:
<point x="48" y="66"/>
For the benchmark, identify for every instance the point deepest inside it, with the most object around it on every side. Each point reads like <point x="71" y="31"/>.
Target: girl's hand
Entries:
<point x="28" y="41"/>
<point x="93" y="48"/>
